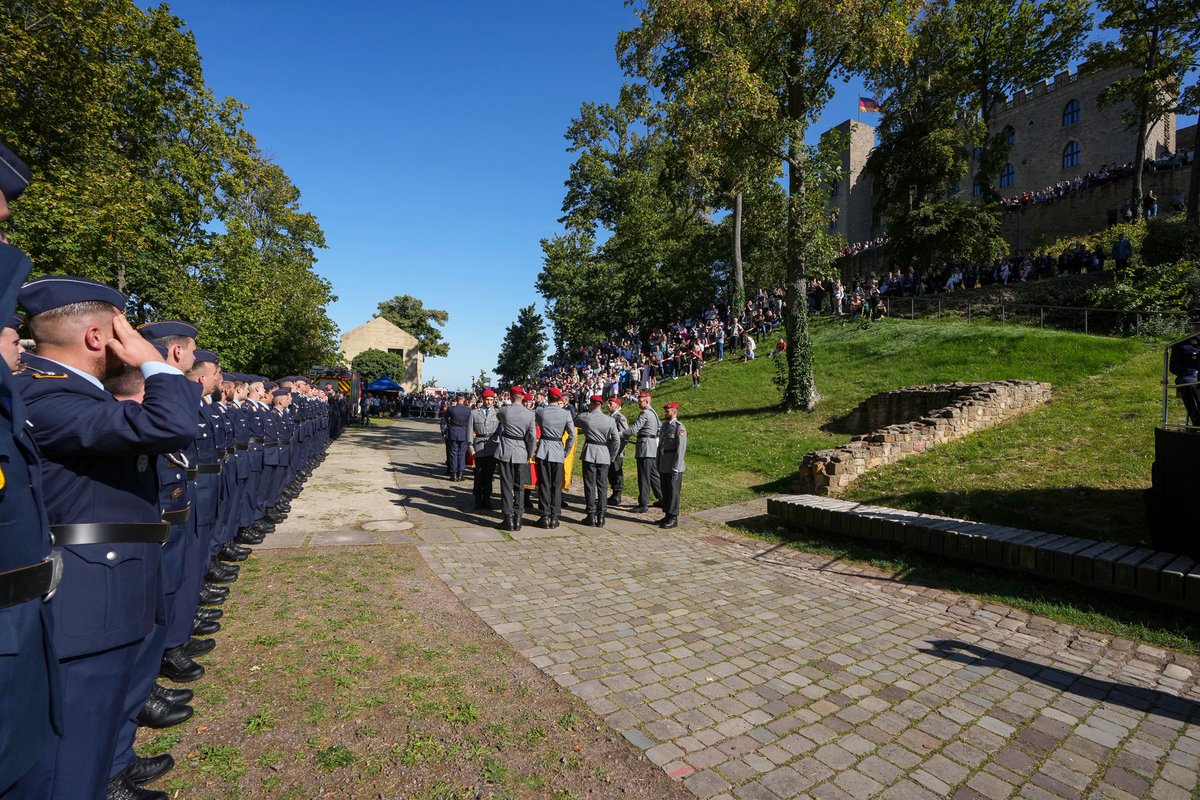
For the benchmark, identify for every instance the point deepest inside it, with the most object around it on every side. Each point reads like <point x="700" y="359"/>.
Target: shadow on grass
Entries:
<point x="731" y="413"/>
<point x="1064" y="602"/>
<point x="1137" y="698"/>
<point x="1108" y="515"/>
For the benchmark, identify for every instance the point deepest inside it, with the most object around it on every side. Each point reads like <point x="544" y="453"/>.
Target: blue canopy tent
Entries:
<point x="384" y="384"/>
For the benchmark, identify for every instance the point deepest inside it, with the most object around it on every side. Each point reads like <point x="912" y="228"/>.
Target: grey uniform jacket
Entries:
<point x="622" y="426"/>
<point x="672" y="444"/>
<point x="555" y="420"/>
<point x="600" y="440"/>
<point x="484" y="424"/>
<point x="517" y="436"/>
<point x="645" y="428"/>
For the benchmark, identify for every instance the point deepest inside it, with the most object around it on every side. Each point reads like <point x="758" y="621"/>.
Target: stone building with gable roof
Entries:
<point x="380" y="334"/>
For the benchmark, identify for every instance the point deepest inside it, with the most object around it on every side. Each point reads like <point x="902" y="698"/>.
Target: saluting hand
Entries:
<point x="129" y="346"/>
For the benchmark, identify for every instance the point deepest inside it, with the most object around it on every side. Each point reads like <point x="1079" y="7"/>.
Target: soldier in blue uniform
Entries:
<point x="101" y="492"/>
<point x="1185" y="366"/>
<point x="28" y="668"/>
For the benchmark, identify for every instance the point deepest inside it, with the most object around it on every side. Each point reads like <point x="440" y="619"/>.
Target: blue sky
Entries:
<point x="427" y="138"/>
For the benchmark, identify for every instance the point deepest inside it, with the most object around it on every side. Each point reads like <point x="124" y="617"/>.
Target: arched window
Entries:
<point x="1010" y="135"/>
<point x="1071" y="155"/>
<point x="977" y="153"/>
<point x="1008" y="176"/>
<point x="1071" y="113"/>
<point x="976" y="190"/>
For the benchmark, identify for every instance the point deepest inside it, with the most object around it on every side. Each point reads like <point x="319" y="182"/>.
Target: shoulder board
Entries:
<point x="38" y="373"/>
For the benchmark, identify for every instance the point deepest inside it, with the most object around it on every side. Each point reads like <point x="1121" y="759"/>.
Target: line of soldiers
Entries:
<point x="133" y="472"/>
<point x="508" y="440"/>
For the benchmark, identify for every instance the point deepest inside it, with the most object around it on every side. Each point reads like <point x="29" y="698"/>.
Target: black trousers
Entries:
<point x="595" y="498"/>
<point x="550" y="481"/>
<point x="648" y="481"/>
<point x="1190" y="394"/>
<point x="616" y="473"/>
<point x="485" y="472"/>
<point x="512" y="487"/>
<point x="671" y="482"/>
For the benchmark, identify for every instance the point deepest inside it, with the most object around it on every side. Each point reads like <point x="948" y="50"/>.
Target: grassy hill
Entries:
<point x="1076" y="466"/>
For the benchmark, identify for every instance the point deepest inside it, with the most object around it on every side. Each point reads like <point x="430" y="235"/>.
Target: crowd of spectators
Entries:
<point x="1107" y="175"/>
<point x="862" y="247"/>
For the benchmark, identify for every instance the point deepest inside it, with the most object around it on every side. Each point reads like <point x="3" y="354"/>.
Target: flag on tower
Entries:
<point x="868" y="104"/>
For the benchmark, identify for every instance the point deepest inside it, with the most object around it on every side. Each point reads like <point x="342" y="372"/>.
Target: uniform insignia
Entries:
<point x="3" y="480"/>
<point x="39" y="374"/>
<point x="142" y="463"/>
<point x="175" y="495"/>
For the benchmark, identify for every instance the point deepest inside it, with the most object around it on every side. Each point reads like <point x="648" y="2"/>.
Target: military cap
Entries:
<point x="268" y="385"/>
<point x="596" y="399"/>
<point x="167" y="327"/>
<point x="488" y="393"/>
<point x="55" y="291"/>
<point x="644" y="394"/>
<point x="517" y="391"/>
<point x="15" y="322"/>
<point x="207" y="355"/>
<point x="555" y="393"/>
<point x="280" y="392"/>
<point x="14" y="175"/>
<point x="671" y="404"/>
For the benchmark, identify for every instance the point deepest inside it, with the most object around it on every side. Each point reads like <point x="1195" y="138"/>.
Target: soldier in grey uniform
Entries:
<point x="616" y="470"/>
<point x="554" y="421"/>
<point x="485" y="421"/>
<point x="672" y="444"/>
<point x="515" y="445"/>
<point x="599" y="448"/>
<point x="645" y="428"/>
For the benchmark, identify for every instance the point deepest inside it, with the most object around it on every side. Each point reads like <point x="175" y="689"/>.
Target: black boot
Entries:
<point x="669" y="522"/>
<point x="517" y="522"/>
<point x="600" y="520"/>
<point x="209" y="614"/>
<point x="144" y="770"/>
<point x="544" y="522"/>
<point x="172" y="696"/>
<point x="177" y="666"/>
<point x="121" y="788"/>
<point x="158" y="713"/>
<point x="197" y="647"/>
<point x="232" y="552"/>
<point x="249" y="536"/>
<point x="204" y="627"/>
<point x="211" y="595"/>
<point x="590" y="520"/>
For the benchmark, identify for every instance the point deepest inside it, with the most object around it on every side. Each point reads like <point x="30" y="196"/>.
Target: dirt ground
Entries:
<point x="353" y="672"/>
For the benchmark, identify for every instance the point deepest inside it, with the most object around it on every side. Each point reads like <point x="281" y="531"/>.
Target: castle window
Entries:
<point x="1008" y="176"/>
<point x="976" y="190"/>
<point x="977" y="154"/>
<point x="1071" y="155"/>
<point x="1071" y="113"/>
<point x="1010" y="135"/>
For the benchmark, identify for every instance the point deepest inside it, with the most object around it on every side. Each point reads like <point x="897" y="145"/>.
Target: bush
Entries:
<point x="1158" y="287"/>
<point x="1169" y="240"/>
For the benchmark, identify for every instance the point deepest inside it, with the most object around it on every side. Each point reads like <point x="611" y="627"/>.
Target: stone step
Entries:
<point x="1166" y="578"/>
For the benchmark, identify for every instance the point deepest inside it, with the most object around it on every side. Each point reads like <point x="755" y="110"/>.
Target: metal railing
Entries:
<point x="1100" y="321"/>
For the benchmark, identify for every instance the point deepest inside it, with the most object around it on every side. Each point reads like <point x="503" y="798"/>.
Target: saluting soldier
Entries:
<point x="28" y="568"/>
<point x="616" y="470"/>
<point x="600" y="444"/>
<point x="514" y="448"/>
<point x="672" y="446"/>
<point x="485" y="421"/>
<point x="645" y="428"/>
<point x="555" y="423"/>
<point x="102" y="502"/>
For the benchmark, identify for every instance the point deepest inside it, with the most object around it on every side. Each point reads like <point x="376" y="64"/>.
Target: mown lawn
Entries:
<point x="1076" y="466"/>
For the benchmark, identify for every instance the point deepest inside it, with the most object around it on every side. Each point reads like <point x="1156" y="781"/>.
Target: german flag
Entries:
<point x="868" y="104"/>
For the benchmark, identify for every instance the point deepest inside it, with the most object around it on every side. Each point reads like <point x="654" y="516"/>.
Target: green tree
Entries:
<point x="410" y="314"/>
<point x="374" y="363"/>
<point x="482" y="380"/>
<point x="766" y="73"/>
<point x="523" y="351"/>
<point x="1155" y="46"/>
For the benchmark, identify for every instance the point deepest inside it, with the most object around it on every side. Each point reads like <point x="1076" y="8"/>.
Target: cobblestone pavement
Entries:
<point x="761" y="673"/>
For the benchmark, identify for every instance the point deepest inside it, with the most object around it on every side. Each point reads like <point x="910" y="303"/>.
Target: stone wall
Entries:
<point x="914" y="420"/>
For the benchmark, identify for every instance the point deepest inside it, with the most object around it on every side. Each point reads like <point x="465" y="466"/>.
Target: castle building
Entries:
<point x="380" y="334"/>
<point x="1058" y="135"/>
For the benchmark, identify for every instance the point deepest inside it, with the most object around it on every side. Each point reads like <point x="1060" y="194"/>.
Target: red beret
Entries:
<point x="597" y="398"/>
<point x="555" y="393"/>
<point x="672" y="404"/>
<point x="517" y="391"/>
<point x="644" y="394"/>
<point x="488" y="393"/>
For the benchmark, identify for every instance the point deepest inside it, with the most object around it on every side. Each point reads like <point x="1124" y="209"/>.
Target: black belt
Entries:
<point x="241" y="446"/>
<point x="192" y="473"/>
<point x="209" y="469"/>
<point x="256" y="440"/>
<point x="109" y="532"/>
<point x="272" y="444"/>
<point x="176" y="516"/>
<point x="27" y="583"/>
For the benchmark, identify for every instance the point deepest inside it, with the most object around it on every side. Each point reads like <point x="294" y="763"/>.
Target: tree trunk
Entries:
<point x="799" y="393"/>
<point x="1193" y="196"/>
<point x="1138" y="163"/>
<point x="739" y="280"/>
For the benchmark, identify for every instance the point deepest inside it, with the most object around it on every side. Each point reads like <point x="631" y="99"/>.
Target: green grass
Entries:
<point x="1096" y="438"/>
